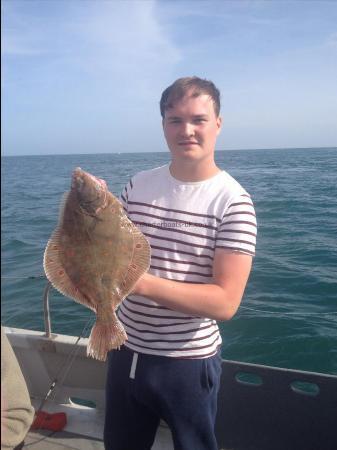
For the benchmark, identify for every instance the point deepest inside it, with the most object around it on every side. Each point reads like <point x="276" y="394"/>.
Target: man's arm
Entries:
<point x="219" y="300"/>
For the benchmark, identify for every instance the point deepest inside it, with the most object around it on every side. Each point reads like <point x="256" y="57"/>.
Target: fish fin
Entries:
<point x="56" y="273"/>
<point x="105" y="337"/>
<point x="62" y="205"/>
<point x="140" y="262"/>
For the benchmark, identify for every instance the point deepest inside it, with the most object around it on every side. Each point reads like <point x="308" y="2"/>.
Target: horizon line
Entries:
<point x="167" y="151"/>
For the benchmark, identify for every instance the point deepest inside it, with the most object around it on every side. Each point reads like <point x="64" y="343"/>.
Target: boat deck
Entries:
<point x="65" y="440"/>
<point x="259" y="407"/>
<point x="84" y="430"/>
<point x="62" y="440"/>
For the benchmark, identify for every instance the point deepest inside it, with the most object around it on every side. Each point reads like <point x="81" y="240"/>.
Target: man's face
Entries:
<point x="191" y="128"/>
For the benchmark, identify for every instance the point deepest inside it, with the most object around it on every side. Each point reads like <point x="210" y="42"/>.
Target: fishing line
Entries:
<point x="72" y="355"/>
<point x="32" y="277"/>
<point x="69" y="362"/>
<point x="291" y="313"/>
<point x="66" y="366"/>
<point x="38" y="440"/>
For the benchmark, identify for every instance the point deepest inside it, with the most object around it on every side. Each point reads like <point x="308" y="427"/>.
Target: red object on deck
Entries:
<point x="54" y="422"/>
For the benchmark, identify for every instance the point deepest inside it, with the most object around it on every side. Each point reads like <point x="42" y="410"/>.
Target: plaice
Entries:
<point x="95" y="256"/>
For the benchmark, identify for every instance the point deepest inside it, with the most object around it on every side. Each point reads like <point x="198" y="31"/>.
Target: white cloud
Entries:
<point x="107" y="41"/>
<point x="108" y="32"/>
<point x="124" y="39"/>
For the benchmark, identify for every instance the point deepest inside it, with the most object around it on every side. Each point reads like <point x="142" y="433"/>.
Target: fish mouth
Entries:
<point x="79" y="177"/>
<point x="92" y="191"/>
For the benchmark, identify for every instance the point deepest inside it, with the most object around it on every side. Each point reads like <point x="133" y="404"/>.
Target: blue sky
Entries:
<point x="86" y="76"/>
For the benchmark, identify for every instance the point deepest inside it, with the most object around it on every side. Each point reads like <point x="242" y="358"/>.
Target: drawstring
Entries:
<point x="133" y="366"/>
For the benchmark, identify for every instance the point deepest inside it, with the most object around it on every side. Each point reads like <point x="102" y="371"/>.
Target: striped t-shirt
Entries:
<point x="184" y="223"/>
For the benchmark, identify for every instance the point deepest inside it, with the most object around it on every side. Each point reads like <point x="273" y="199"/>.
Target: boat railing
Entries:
<point x="46" y="310"/>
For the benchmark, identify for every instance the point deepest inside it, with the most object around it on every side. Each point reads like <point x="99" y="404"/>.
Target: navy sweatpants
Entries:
<point x="142" y="389"/>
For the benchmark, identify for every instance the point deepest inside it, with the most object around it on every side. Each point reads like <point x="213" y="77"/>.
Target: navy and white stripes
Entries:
<point x="184" y="223"/>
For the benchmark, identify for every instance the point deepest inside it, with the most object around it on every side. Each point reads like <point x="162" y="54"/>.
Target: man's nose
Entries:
<point x="187" y="129"/>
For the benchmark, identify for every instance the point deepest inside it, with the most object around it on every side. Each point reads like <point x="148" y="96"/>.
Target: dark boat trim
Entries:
<point x="270" y="408"/>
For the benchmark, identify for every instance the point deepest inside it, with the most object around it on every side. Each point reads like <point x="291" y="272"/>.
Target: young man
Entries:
<point x="201" y="227"/>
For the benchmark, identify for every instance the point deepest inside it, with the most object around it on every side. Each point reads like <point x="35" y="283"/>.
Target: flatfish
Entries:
<point x="95" y="256"/>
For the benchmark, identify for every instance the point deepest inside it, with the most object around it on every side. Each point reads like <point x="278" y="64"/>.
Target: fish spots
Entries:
<point x="96" y="260"/>
<point x="124" y="247"/>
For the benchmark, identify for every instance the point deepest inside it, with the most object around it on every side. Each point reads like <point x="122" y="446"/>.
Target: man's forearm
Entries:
<point x="204" y="300"/>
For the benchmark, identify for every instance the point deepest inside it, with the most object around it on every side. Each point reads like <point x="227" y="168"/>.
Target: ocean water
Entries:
<point x="288" y="317"/>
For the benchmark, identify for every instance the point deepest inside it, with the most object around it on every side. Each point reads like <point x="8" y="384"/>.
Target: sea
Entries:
<point x="288" y="315"/>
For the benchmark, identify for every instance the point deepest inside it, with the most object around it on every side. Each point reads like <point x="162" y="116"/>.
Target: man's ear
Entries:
<point x="219" y="123"/>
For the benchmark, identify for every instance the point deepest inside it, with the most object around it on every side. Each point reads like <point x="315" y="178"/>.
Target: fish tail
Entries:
<point x="105" y="337"/>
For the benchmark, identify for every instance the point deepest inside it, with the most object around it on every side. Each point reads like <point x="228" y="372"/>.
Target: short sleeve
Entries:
<point x="237" y="230"/>
<point x="124" y="196"/>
